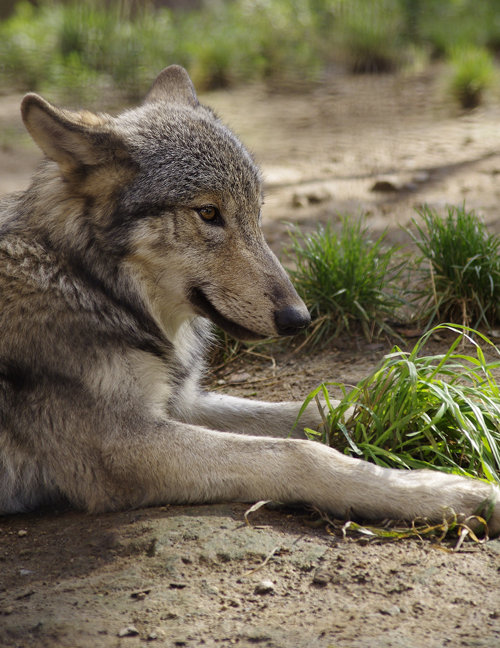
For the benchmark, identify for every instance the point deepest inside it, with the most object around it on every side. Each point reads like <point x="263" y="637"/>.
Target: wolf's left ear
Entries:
<point x="72" y="139"/>
<point x="173" y="86"/>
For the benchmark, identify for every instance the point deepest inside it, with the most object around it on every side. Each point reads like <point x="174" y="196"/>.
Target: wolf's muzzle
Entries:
<point x="291" y="320"/>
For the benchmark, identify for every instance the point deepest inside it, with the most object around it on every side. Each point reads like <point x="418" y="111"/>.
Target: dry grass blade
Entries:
<point x="263" y="563"/>
<point x="254" y="508"/>
<point x="393" y="531"/>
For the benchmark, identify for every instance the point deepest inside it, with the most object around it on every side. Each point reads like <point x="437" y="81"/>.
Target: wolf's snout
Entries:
<point x="291" y="320"/>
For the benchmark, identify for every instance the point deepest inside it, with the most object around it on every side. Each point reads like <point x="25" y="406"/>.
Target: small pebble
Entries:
<point x="141" y="595"/>
<point x="322" y="578"/>
<point x="265" y="587"/>
<point x="421" y="176"/>
<point x="211" y="589"/>
<point x="129" y="631"/>
<point x="299" y="200"/>
<point x="393" y="610"/>
<point x="25" y="594"/>
<point x="385" y="186"/>
<point x="156" y="633"/>
<point x="240" y="377"/>
<point x="22" y="533"/>
<point x="318" y="196"/>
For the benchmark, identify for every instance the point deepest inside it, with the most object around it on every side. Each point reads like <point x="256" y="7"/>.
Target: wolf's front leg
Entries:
<point x="243" y="416"/>
<point x="175" y="462"/>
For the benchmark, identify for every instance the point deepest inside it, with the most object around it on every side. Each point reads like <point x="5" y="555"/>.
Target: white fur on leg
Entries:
<point x="243" y="416"/>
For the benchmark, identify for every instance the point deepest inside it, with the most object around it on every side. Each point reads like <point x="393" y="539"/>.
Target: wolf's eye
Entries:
<point x="210" y="213"/>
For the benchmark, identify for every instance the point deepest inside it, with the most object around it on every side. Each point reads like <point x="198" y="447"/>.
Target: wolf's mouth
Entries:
<point x="205" y="307"/>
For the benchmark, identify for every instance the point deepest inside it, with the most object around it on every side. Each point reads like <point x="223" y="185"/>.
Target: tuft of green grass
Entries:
<point x="417" y="411"/>
<point x="459" y="268"/>
<point x="345" y="279"/>
<point x="472" y="73"/>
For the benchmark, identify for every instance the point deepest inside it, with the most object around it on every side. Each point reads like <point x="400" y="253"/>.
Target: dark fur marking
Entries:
<point x="179" y="374"/>
<point x="17" y="376"/>
<point x="24" y="378"/>
<point x="126" y="217"/>
<point x="153" y="341"/>
<point x="24" y="401"/>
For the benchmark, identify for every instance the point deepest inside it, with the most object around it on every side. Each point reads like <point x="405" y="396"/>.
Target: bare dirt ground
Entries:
<point x="193" y="576"/>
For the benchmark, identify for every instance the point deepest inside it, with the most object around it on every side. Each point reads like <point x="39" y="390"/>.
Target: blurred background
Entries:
<point x="85" y="47"/>
<point x="351" y="106"/>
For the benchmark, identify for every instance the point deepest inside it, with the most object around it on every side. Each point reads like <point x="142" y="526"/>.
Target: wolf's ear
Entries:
<point x="72" y="139"/>
<point x="173" y="86"/>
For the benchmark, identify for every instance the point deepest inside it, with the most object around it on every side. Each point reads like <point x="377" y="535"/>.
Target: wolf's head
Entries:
<point x="172" y="194"/>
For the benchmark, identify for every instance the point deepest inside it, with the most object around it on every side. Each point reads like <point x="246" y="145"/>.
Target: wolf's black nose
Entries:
<point x="290" y="320"/>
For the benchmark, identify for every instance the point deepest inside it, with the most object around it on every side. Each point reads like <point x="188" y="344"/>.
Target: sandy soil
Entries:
<point x="192" y="576"/>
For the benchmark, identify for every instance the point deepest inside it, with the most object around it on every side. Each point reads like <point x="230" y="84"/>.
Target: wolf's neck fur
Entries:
<point x="78" y="231"/>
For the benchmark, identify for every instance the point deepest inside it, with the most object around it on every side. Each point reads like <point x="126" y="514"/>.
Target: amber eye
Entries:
<point x="209" y="213"/>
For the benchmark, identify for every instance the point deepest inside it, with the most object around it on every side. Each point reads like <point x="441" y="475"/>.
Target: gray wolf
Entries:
<point x="136" y="232"/>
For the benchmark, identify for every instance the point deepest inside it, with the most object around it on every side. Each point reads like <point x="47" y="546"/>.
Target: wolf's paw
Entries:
<point x="492" y="510"/>
<point x="489" y="510"/>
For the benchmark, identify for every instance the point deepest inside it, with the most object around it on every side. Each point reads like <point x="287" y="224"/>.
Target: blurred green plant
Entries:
<point x="123" y="44"/>
<point x="25" y="49"/>
<point x="472" y="73"/>
<point x="370" y="35"/>
<point x="75" y="47"/>
<point x="459" y="268"/>
<point x="448" y="24"/>
<point x="91" y="45"/>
